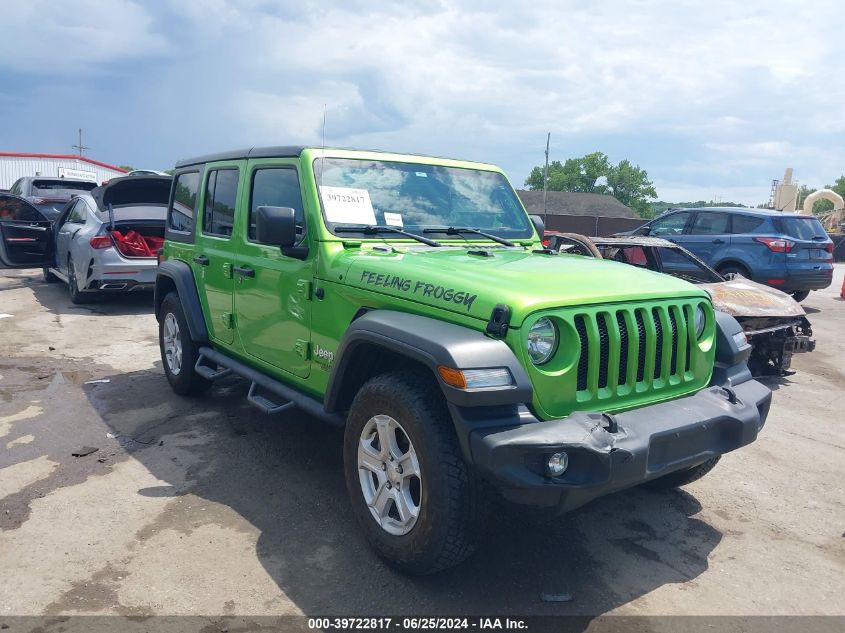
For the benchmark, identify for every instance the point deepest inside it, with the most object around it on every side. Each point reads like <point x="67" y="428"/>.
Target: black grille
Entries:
<point x="604" y="350"/>
<point x="623" y="348"/>
<point x="689" y="347"/>
<point x="581" y="328"/>
<point x="673" y="364"/>
<point x="638" y="314"/>
<point x="658" y="352"/>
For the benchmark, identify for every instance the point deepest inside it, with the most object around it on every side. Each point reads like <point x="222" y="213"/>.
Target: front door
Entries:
<point x="212" y="261"/>
<point x="273" y="291"/>
<point x="708" y="235"/>
<point x="25" y="233"/>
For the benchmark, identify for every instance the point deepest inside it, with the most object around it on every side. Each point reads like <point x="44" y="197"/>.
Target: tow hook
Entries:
<point x="731" y="394"/>
<point x="612" y="426"/>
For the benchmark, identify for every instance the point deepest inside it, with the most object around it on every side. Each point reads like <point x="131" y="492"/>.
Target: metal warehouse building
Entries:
<point x="14" y="165"/>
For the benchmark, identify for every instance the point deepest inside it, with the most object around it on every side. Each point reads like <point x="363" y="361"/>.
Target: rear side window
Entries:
<point x="802" y="228"/>
<point x="276" y="187"/>
<point x="221" y="193"/>
<point x="77" y="215"/>
<point x="746" y="224"/>
<point x="710" y="223"/>
<point x="180" y="216"/>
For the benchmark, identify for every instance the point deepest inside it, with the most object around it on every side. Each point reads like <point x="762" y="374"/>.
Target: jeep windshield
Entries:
<point x="418" y="198"/>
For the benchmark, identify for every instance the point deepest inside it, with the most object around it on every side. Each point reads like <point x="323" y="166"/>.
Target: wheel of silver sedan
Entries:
<point x="172" y="343"/>
<point x="389" y="473"/>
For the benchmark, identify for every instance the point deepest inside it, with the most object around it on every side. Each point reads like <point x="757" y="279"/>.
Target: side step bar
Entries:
<point x="292" y="398"/>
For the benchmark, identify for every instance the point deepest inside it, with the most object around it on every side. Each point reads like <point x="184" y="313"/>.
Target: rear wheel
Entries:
<point x="413" y="495"/>
<point x="734" y="269"/>
<point x="77" y="296"/>
<point x="683" y="477"/>
<point x="179" y="353"/>
<point x="800" y="295"/>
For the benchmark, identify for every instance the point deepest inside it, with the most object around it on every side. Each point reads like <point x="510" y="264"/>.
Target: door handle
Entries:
<point x="718" y="241"/>
<point x="244" y="271"/>
<point x="202" y="260"/>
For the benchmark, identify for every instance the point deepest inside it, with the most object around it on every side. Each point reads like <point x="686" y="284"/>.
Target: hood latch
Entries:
<point x="499" y="320"/>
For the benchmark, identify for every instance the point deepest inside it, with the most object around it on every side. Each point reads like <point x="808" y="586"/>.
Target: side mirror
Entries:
<point x="539" y="225"/>
<point x="275" y="226"/>
<point x="643" y="230"/>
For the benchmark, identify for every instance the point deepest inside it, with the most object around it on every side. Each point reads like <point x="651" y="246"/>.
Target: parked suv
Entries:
<point x="787" y="251"/>
<point x="409" y="300"/>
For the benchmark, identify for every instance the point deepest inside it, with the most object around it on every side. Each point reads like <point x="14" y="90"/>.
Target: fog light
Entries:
<point x="557" y="464"/>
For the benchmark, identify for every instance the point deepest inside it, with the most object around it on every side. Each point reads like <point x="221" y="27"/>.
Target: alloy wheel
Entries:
<point x="389" y="474"/>
<point x="172" y="343"/>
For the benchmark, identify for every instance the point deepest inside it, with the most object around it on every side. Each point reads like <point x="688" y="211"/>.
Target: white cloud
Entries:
<point x="44" y="37"/>
<point x="709" y="95"/>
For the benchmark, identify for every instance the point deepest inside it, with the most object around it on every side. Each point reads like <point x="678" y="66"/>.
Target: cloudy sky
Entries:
<point x="713" y="98"/>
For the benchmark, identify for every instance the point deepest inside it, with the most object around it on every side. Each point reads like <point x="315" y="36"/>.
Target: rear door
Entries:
<point x="24" y="233"/>
<point x="213" y="260"/>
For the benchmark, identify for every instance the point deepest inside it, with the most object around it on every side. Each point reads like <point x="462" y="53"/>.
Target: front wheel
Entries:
<point x="413" y="495"/>
<point x="179" y="353"/>
<point x="683" y="477"/>
<point x="800" y="295"/>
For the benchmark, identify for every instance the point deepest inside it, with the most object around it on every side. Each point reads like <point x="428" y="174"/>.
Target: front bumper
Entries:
<point x="609" y="452"/>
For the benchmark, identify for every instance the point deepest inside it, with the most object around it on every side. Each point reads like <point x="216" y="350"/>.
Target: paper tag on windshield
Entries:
<point x="347" y="205"/>
<point x="393" y="219"/>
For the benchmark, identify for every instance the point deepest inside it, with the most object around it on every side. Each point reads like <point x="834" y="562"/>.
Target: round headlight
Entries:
<point x="542" y="341"/>
<point x="700" y="321"/>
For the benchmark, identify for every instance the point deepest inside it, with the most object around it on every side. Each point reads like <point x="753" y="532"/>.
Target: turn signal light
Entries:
<point x="475" y="378"/>
<point x="101" y="241"/>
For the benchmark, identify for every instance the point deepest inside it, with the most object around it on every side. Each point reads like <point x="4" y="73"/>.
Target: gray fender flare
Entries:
<point x="431" y="343"/>
<point x="182" y="277"/>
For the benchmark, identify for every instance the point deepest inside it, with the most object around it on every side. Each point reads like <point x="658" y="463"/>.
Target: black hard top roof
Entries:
<point x="280" y="151"/>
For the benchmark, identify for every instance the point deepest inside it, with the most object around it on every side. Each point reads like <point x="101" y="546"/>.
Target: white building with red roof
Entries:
<point x="14" y="165"/>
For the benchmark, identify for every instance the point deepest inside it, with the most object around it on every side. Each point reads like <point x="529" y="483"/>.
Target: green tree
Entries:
<point x="626" y="182"/>
<point x="127" y="167"/>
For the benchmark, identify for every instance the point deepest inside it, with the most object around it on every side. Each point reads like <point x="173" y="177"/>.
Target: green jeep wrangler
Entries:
<point x="409" y="299"/>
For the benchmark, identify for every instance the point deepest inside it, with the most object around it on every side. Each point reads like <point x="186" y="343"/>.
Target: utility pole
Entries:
<point x="80" y="147"/>
<point x="546" y="177"/>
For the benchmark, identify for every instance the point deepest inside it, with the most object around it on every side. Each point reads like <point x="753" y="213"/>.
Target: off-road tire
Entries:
<point x="77" y="297"/>
<point x="683" y="477"/>
<point x="49" y="277"/>
<point x="451" y="509"/>
<point x="800" y="295"/>
<point x="187" y="382"/>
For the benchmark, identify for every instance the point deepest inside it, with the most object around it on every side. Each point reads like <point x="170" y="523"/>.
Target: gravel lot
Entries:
<point x="209" y="507"/>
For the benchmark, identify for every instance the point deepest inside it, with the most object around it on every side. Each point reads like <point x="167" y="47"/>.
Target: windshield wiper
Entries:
<point x="375" y="229"/>
<point x="457" y="230"/>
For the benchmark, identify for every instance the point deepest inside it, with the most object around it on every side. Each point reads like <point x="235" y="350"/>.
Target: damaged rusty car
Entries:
<point x="775" y="324"/>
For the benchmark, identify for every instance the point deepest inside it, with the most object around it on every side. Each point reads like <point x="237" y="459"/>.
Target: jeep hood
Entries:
<point x="455" y="279"/>
<point x="742" y="297"/>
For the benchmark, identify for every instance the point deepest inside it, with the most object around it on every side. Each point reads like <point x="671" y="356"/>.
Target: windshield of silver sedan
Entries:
<point x="418" y="198"/>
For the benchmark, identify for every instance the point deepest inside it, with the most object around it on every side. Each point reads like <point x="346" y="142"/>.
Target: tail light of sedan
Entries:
<point x="101" y="241"/>
<point x="776" y="244"/>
